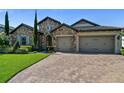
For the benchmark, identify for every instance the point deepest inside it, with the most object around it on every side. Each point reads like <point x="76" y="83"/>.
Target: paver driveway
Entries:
<point x="64" y="67"/>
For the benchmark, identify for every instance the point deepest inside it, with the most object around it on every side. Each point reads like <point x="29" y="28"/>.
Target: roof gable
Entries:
<point x="22" y="24"/>
<point x="50" y="19"/>
<point x="64" y="25"/>
<point x="84" y="23"/>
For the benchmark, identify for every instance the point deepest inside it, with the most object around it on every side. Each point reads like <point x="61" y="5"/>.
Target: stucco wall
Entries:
<point x="105" y="33"/>
<point x="82" y="23"/>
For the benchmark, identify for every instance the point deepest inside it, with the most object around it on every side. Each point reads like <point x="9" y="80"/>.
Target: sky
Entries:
<point x="68" y="16"/>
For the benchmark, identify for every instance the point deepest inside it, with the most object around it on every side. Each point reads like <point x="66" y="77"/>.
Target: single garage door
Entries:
<point x="64" y="43"/>
<point x="96" y="44"/>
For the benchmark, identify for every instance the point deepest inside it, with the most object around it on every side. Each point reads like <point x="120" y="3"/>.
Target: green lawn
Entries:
<point x="11" y="64"/>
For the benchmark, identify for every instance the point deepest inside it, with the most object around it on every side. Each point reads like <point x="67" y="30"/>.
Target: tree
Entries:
<point x="6" y="24"/>
<point x="4" y="40"/>
<point x="35" y="30"/>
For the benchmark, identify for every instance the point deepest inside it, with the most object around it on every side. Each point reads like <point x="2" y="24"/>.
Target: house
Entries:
<point x="82" y="36"/>
<point x="2" y="28"/>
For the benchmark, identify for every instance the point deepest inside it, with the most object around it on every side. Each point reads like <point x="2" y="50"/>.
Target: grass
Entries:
<point x="11" y="64"/>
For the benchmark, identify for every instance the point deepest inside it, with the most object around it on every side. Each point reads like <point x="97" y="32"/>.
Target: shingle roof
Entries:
<point x="64" y="25"/>
<point x="50" y="19"/>
<point x="2" y="28"/>
<point x="90" y="28"/>
<point x="22" y="24"/>
<point x="97" y="28"/>
<point x="87" y="21"/>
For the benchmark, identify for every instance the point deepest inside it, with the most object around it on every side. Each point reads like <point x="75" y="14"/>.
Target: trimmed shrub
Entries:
<point x="35" y="48"/>
<point x="50" y="49"/>
<point x="21" y="51"/>
<point x="6" y="50"/>
<point x="4" y="40"/>
<point x="122" y="52"/>
<point x="29" y="48"/>
<point x="35" y="52"/>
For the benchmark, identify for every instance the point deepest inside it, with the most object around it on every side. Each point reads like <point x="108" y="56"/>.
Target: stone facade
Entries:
<point x="45" y="27"/>
<point x="22" y="30"/>
<point x="40" y="36"/>
<point x="59" y="33"/>
<point x="64" y="31"/>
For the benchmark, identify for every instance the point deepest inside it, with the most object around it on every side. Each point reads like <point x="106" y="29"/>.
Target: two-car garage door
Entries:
<point x="87" y="44"/>
<point x="96" y="44"/>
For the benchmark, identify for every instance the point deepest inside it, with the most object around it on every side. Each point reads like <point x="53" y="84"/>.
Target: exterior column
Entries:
<point x="117" y="44"/>
<point x="77" y="43"/>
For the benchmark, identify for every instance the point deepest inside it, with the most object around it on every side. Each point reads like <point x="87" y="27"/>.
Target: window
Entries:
<point x="30" y="41"/>
<point x="49" y="27"/>
<point x="23" y="40"/>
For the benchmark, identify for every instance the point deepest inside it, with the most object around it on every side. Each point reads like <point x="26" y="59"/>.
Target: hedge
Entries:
<point x="29" y="48"/>
<point x="122" y="52"/>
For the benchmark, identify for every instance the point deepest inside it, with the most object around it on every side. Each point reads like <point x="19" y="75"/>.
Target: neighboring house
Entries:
<point x="2" y="28"/>
<point x="83" y="36"/>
